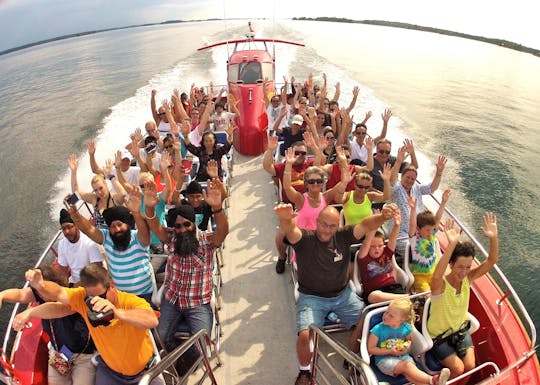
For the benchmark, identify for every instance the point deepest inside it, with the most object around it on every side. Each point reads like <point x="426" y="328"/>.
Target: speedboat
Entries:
<point x="251" y="67"/>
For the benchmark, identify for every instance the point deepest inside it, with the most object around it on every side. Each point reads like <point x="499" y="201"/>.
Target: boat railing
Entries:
<point x="165" y="366"/>
<point x="49" y="248"/>
<point x="325" y="371"/>
<point x="510" y="292"/>
<point x="478" y="368"/>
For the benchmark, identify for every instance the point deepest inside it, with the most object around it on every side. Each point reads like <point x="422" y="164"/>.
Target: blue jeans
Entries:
<point x="172" y="317"/>
<point x="312" y="309"/>
<point x="107" y="376"/>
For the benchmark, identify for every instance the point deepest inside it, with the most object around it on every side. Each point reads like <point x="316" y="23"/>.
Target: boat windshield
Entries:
<point x="250" y="72"/>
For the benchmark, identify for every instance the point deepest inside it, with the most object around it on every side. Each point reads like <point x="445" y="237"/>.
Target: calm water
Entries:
<point x="475" y="103"/>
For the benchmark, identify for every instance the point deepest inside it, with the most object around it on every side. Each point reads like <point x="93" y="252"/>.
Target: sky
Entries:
<point x="28" y="21"/>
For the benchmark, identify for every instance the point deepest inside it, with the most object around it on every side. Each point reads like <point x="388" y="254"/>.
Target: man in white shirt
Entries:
<point x="75" y="250"/>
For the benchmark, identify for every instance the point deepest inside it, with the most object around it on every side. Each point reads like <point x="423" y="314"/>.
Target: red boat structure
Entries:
<point x="251" y="67"/>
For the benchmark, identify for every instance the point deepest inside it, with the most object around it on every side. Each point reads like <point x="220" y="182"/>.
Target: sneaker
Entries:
<point x="304" y="378"/>
<point x="441" y="378"/>
<point x="280" y="266"/>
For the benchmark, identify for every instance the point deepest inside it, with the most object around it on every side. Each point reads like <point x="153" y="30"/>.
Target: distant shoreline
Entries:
<point x="395" y="24"/>
<point x="499" y="42"/>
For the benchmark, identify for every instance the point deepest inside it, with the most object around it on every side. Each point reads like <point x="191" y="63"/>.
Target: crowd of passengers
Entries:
<point x="341" y="186"/>
<point x="145" y="201"/>
<point x="101" y="295"/>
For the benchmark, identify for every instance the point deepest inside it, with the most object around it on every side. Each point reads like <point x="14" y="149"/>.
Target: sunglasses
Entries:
<point x="142" y="186"/>
<point x="296" y="153"/>
<point x="315" y="181"/>
<point x="331" y="138"/>
<point x="186" y="225"/>
<point x="361" y="186"/>
<point x="384" y="152"/>
<point x="360" y="132"/>
<point x="161" y="113"/>
<point x="167" y="147"/>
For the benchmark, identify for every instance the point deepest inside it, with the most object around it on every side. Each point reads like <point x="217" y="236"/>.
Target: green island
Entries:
<point x="394" y="24"/>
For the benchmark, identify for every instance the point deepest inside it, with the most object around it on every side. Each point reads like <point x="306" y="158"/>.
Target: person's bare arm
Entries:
<point x="153" y="107"/>
<point x="91" y="146"/>
<point x="85" y="226"/>
<point x="492" y="233"/>
<point x="374" y="221"/>
<point x="287" y="223"/>
<point x="46" y="289"/>
<point x="268" y="158"/>
<point x="151" y="199"/>
<point x="385" y="117"/>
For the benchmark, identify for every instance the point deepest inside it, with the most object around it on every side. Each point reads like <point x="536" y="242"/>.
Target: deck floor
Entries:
<point x="259" y="333"/>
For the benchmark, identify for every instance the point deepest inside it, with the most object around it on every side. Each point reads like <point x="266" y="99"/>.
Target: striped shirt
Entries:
<point x="130" y="269"/>
<point x="188" y="281"/>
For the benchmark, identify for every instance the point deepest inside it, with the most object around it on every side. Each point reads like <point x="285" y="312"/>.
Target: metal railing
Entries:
<point x="166" y="365"/>
<point x="359" y="372"/>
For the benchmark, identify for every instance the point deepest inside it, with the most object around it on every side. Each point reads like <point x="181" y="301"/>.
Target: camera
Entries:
<point x="97" y="318"/>
<point x="74" y="198"/>
<point x="150" y="148"/>
<point x="456" y="340"/>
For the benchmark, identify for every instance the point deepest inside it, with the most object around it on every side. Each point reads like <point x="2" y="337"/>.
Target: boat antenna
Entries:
<point x="226" y="27"/>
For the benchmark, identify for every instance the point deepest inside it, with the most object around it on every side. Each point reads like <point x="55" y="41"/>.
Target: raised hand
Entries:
<point x="91" y="146"/>
<point x="165" y="104"/>
<point x="73" y="162"/>
<point x="176" y="93"/>
<point x="308" y="139"/>
<point x="186" y="128"/>
<point x="21" y="320"/>
<point x="289" y="155"/>
<point x="412" y="202"/>
<point x="401" y="154"/>
<point x="368" y="115"/>
<point x="347" y="175"/>
<point x="389" y="211"/>
<point x="284" y="211"/>
<point x="154" y="92"/>
<point x="445" y="196"/>
<point x="272" y="142"/>
<point x="164" y="162"/>
<point x="355" y="91"/>
<point x="151" y="198"/>
<point x="368" y="142"/>
<point x="137" y="135"/>
<point x="490" y="225"/>
<point x="452" y="234"/>
<point x="409" y="147"/>
<point x="386" y="115"/>
<point x="441" y="164"/>
<point x="212" y="169"/>
<point x="134" y="148"/>
<point x="231" y="127"/>
<point x="134" y="201"/>
<point x="213" y="194"/>
<point x="322" y="143"/>
<point x="397" y="218"/>
<point x="386" y="173"/>
<point x="109" y="166"/>
<point x="118" y="159"/>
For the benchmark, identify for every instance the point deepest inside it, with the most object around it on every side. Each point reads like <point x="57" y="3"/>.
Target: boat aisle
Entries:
<point x="258" y="322"/>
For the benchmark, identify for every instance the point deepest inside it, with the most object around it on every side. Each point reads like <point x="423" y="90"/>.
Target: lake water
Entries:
<point x="473" y="102"/>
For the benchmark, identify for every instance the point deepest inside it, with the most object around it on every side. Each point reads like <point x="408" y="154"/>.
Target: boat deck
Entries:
<point x="257" y="315"/>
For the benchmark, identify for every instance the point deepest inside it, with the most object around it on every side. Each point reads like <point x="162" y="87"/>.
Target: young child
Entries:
<point x="425" y="248"/>
<point x="375" y="265"/>
<point x="389" y="342"/>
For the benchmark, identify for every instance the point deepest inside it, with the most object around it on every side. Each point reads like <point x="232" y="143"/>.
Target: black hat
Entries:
<point x="184" y="211"/>
<point x="119" y="213"/>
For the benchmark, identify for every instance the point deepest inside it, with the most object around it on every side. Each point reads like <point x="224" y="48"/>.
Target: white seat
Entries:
<point x="403" y="277"/>
<point x="419" y="344"/>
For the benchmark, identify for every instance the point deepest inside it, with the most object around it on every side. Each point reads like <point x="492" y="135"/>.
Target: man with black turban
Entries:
<point x="188" y="274"/>
<point x="75" y="250"/>
<point x="127" y="249"/>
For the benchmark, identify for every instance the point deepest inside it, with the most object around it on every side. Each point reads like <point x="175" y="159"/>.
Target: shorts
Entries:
<point x="312" y="309"/>
<point x="421" y="282"/>
<point x="453" y="345"/>
<point x="388" y="364"/>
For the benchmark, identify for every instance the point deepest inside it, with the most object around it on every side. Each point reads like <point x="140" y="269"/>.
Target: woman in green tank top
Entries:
<point x="357" y="203"/>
